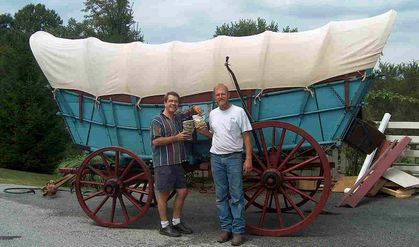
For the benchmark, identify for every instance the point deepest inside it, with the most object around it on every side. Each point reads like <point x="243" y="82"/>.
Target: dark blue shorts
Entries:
<point x="169" y="177"/>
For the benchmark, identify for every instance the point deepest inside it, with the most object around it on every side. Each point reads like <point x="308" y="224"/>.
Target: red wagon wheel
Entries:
<point x="290" y="182"/>
<point x="114" y="186"/>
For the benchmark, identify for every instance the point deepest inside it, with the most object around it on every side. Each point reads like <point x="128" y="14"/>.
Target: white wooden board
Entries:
<point x="401" y="178"/>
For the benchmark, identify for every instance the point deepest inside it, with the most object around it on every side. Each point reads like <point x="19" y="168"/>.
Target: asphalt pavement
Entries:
<point x="34" y="220"/>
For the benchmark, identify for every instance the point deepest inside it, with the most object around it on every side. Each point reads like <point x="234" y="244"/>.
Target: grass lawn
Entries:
<point x="8" y="176"/>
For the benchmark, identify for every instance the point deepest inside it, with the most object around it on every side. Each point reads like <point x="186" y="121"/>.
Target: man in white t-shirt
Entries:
<point x="229" y="129"/>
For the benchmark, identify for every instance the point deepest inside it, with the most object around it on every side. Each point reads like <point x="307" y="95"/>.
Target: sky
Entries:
<point x="196" y="20"/>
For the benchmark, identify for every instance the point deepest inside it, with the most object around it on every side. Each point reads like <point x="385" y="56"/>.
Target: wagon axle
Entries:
<point x="272" y="179"/>
<point x="113" y="187"/>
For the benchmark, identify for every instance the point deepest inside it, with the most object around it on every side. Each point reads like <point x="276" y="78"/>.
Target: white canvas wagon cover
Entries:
<point x="266" y="60"/>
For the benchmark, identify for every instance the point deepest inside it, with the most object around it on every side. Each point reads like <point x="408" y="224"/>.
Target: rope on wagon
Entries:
<point x="138" y="103"/>
<point x="364" y="75"/>
<point x="258" y="97"/>
<point x="309" y="90"/>
<point x="97" y="102"/>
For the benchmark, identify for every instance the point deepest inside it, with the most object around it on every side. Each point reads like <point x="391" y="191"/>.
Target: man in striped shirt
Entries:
<point x="168" y="154"/>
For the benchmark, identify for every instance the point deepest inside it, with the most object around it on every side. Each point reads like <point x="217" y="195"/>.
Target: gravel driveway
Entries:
<point x="33" y="220"/>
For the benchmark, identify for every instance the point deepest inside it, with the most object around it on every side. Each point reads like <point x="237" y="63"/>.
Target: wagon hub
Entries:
<point x="112" y="187"/>
<point x="272" y="179"/>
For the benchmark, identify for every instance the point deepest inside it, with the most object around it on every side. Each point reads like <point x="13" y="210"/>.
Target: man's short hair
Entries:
<point x="221" y="85"/>
<point x="173" y="93"/>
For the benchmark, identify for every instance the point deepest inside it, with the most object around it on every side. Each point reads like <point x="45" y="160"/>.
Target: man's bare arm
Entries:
<point x="170" y="139"/>
<point x="204" y="130"/>
<point x="247" y="166"/>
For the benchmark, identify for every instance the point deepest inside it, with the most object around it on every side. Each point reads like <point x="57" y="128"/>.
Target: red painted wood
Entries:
<point x="105" y="187"/>
<point x="371" y="176"/>
<point x="272" y="192"/>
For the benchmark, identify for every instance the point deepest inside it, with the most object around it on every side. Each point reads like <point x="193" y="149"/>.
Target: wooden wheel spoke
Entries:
<point x="278" y="209"/>
<point x="273" y="136"/>
<point x="144" y="188"/>
<point x="251" y="187"/>
<point x="296" y="208"/>
<point x="106" y="163"/>
<point x="293" y="151"/>
<point x="116" y="163"/>
<point x="144" y="192"/>
<point x="113" y="209"/>
<point x="255" y="195"/>
<point x="101" y="204"/>
<point x="300" y="193"/>
<point x="93" y="194"/>
<point x="301" y="164"/>
<point x="301" y="154"/>
<point x="259" y="161"/>
<point x="264" y="147"/>
<point x="257" y="170"/>
<point x="134" y="202"/>
<point x="141" y="175"/>
<point x="92" y="183"/>
<point x="265" y="206"/>
<point x="127" y="169"/>
<point x="124" y="208"/>
<point x="279" y="149"/>
<point x="98" y="172"/>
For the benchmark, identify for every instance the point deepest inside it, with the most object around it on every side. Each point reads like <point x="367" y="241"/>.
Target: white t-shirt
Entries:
<point x="227" y="127"/>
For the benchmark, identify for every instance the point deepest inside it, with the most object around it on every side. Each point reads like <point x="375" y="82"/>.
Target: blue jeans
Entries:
<point x="227" y="173"/>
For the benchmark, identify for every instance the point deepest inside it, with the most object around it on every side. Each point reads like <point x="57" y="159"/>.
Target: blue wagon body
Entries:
<point x="324" y="110"/>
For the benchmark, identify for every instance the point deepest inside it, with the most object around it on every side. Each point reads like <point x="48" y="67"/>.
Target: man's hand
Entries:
<point x="247" y="166"/>
<point x="184" y="135"/>
<point x="203" y="130"/>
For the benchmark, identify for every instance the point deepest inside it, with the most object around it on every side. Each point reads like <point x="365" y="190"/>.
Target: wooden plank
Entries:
<point x="400" y="193"/>
<point x="403" y="125"/>
<point x="401" y="178"/>
<point x="371" y="176"/>
<point x="415" y="139"/>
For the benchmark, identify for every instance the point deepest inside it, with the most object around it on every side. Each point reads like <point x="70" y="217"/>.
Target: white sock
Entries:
<point x="175" y="221"/>
<point x="164" y="224"/>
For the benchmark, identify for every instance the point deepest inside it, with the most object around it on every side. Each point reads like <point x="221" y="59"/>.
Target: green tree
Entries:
<point x="112" y="20"/>
<point x="31" y="136"/>
<point x="77" y="30"/>
<point x="396" y="92"/>
<point x="287" y="29"/>
<point x="246" y="27"/>
<point x="6" y="21"/>
<point x="32" y="18"/>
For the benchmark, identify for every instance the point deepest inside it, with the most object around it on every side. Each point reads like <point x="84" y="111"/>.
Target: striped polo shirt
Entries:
<point x="162" y="126"/>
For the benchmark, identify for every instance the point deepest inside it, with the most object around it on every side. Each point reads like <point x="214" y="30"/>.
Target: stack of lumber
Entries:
<point x="395" y="182"/>
<point x="398" y="183"/>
